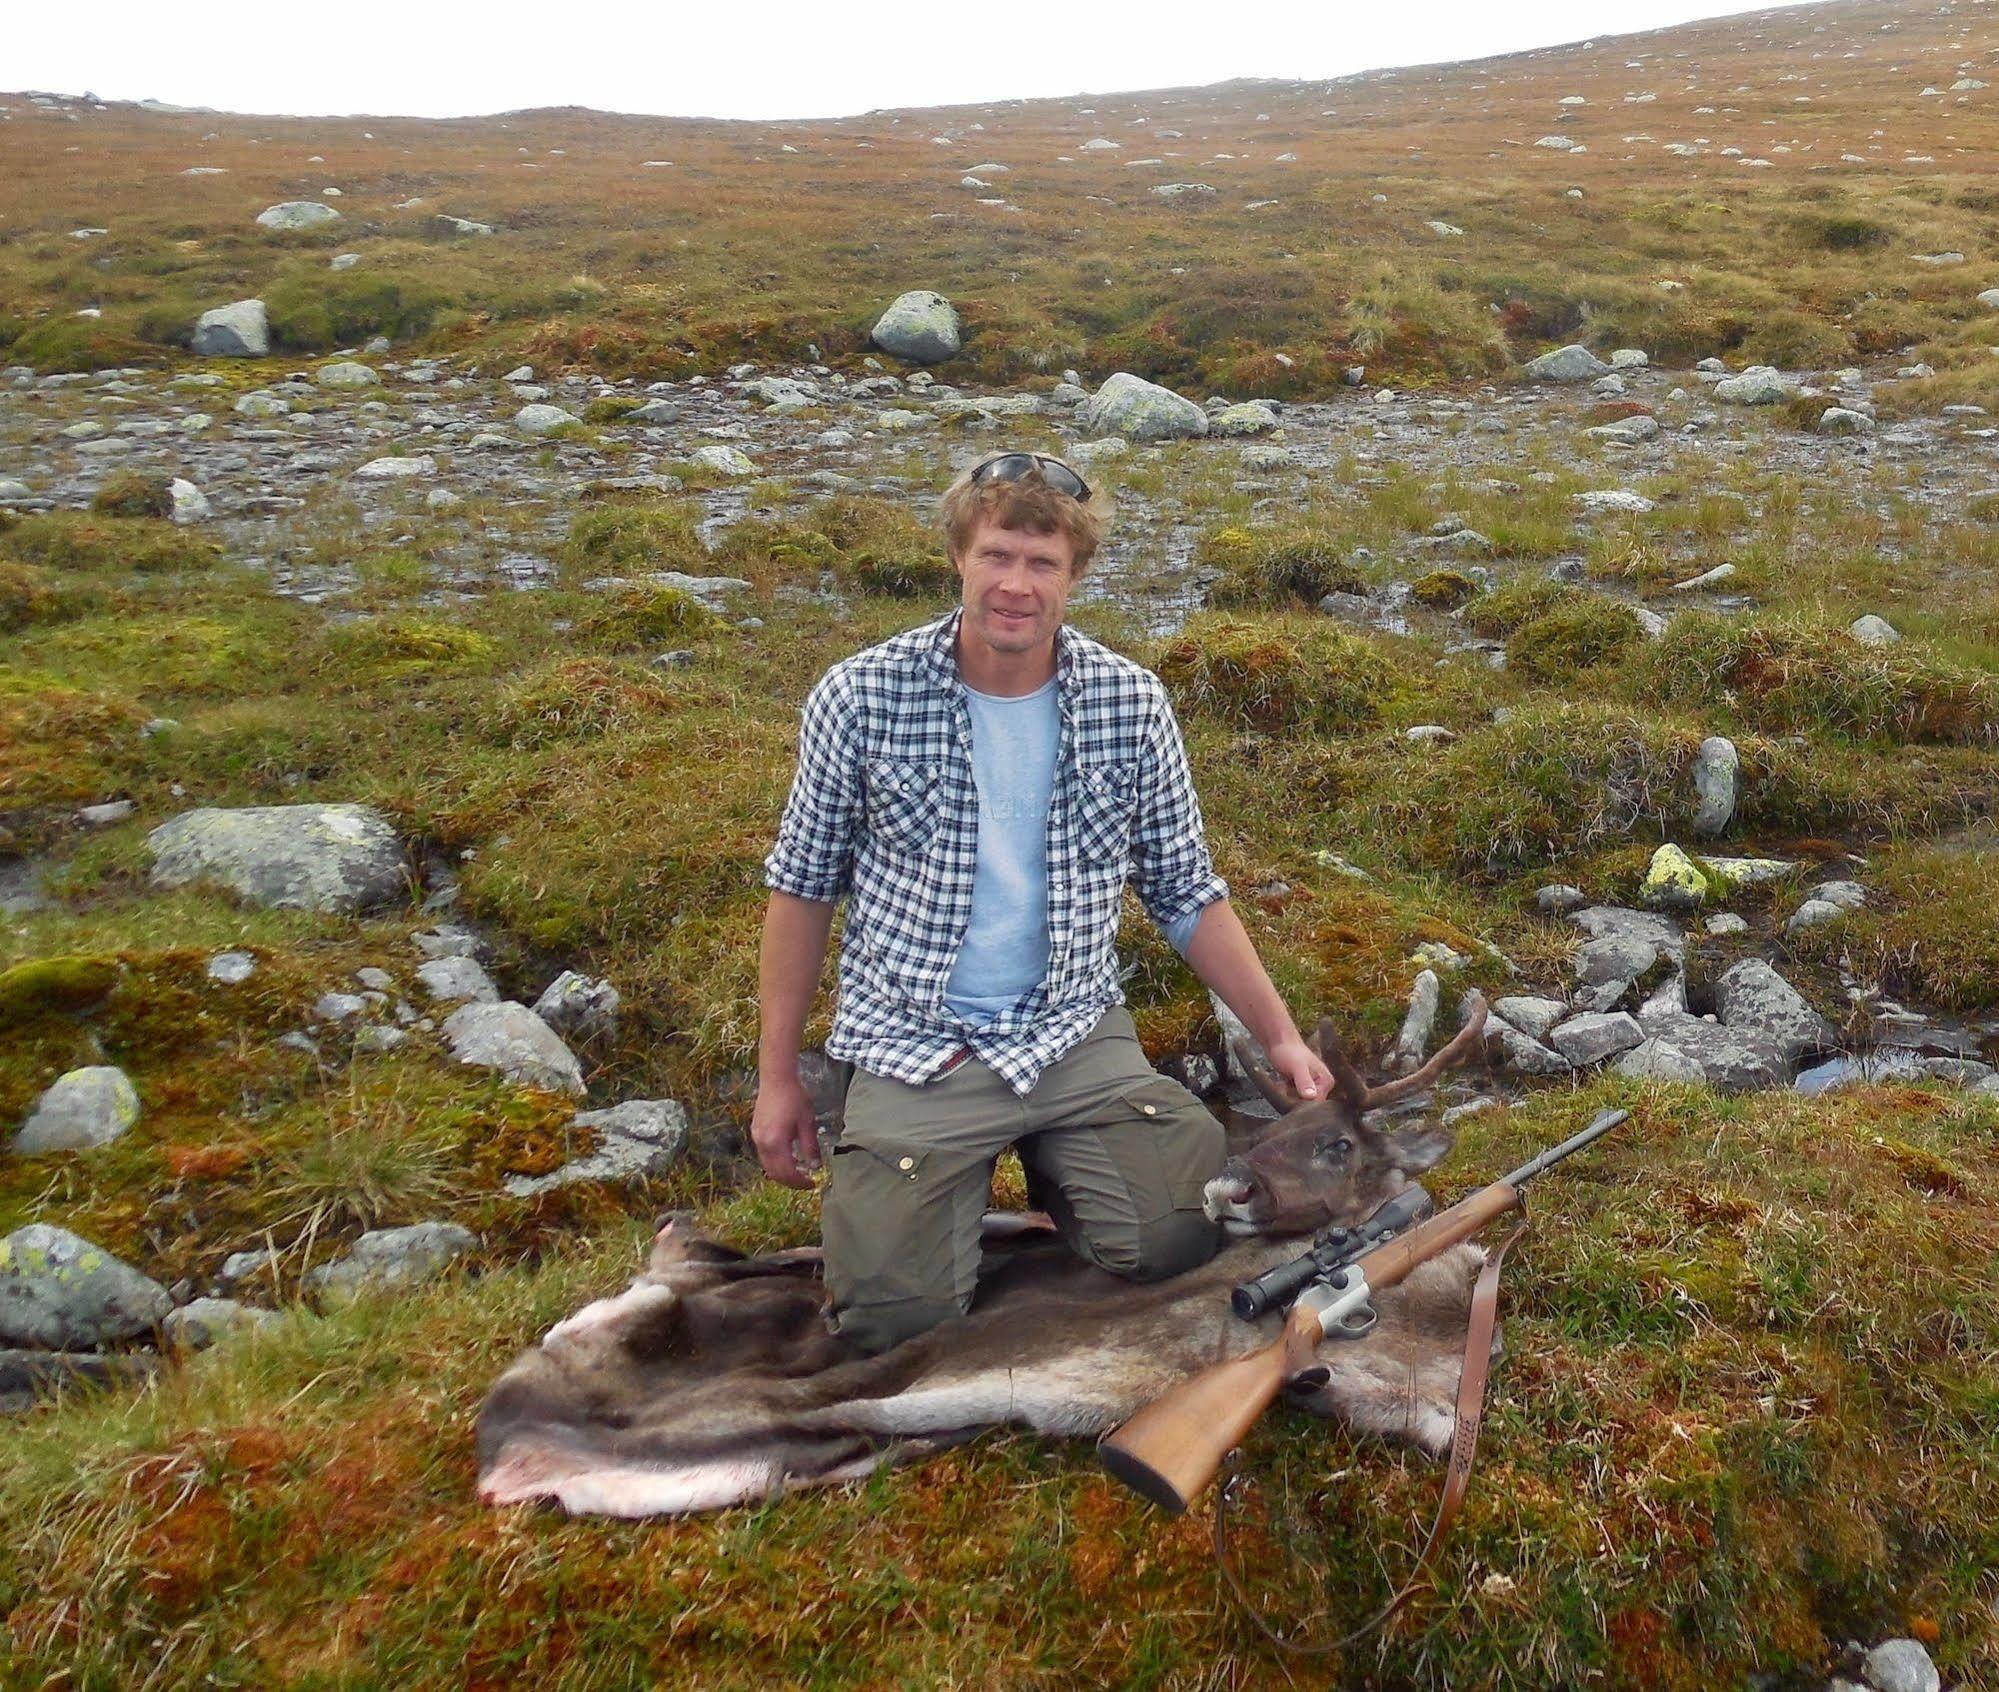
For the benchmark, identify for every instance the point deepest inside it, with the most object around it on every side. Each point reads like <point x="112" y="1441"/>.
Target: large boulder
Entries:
<point x="81" y="1110"/>
<point x="1715" y="772"/>
<point x="61" y="1293"/>
<point x="509" y="1037"/>
<point x="1760" y="384"/>
<point x="297" y="214"/>
<point x="1567" y="364"/>
<point x="242" y="330"/>
<point x="1139" y="410"/>
<point x="1755" y="1001"/>
<point x="291" y="857"/>
<point x="920" y="326"/>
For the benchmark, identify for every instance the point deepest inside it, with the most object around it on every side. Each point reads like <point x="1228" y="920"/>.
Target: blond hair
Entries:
<point x="1030" y="504"/>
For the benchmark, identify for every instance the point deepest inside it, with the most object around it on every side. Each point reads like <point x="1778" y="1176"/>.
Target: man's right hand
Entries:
<point x="784" y="1131"/>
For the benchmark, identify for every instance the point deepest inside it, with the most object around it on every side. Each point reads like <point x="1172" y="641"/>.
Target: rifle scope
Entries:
<point x="1277" y="1287"/>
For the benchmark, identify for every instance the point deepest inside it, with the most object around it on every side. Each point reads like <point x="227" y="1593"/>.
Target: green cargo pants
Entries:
<point x="1114" y="1151"/>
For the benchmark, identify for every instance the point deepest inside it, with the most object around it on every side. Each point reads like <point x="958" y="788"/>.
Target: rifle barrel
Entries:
<point x="1602" y="1125"/>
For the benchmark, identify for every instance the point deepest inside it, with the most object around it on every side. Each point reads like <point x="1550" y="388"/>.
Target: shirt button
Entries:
<point x="1150" y="1110"/>
<point x="907" y="1163"/>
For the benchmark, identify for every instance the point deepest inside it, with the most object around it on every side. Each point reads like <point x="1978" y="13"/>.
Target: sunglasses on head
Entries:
<point x="1018" y="466"/>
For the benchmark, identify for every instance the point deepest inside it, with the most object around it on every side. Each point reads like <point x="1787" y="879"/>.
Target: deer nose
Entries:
<point x="1237" y="1178"/>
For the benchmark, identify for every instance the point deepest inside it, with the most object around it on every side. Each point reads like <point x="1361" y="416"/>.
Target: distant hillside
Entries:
<point x="1762" y="186"/>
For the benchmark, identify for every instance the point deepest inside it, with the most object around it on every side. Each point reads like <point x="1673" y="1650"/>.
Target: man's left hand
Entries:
<point x="1301" y="1069"/>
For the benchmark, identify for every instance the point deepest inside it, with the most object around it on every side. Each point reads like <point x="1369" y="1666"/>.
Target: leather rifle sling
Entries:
<point x="1457" y="1480"/>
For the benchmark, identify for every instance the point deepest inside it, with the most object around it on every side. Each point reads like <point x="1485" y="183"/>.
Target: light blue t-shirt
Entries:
<point x="1004" y="955"/>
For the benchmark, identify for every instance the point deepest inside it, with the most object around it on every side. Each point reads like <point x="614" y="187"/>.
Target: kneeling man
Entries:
<point x="979" y="790"/>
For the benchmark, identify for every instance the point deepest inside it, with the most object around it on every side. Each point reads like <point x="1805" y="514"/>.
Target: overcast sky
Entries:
<point x="751" y="58"/>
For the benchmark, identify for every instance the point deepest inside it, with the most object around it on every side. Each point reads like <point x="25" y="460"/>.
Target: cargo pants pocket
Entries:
<point x="899" y="1222"/>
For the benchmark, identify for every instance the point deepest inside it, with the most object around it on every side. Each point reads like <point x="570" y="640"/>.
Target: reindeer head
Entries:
<point x="1319" y="1164"/>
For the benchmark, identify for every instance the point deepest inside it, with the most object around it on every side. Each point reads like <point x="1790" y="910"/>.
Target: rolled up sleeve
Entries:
<point x="1171" y="868"/>
<point x="814" y="854"/>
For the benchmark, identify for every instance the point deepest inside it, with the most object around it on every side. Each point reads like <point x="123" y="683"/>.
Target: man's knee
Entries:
<point x="1169" y="1245"/>
<point x="875" y="1327"/>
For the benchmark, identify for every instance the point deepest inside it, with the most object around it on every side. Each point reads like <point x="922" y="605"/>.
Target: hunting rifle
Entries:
<point x="1171" y="1449"/>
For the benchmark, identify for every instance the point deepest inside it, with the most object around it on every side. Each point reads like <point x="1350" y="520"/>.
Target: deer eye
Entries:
<point x="1331" y="1147"/>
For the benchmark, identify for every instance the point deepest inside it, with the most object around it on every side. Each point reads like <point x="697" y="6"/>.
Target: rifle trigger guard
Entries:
<point x="1355" y="1323"/>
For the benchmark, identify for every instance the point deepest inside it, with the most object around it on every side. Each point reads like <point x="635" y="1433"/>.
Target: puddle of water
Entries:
<point x="1890" y="1063"/>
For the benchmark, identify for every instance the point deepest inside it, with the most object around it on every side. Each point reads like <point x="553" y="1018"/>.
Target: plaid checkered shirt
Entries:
<point x="883" y="812"/>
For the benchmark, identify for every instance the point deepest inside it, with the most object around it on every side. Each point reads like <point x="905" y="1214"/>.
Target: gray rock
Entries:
<point x="1658" y="1060"/>
<point x="1728" y="1059"/>
<point x="1567" y="364"/>
<point x="1526" y="1055"/>
<point x="654" y="412"/>
<point x="1811" y="913"/>
<point x="380" y="1039"/>
<point x="1420" y="1019"/>
<point x="1595" y="1038"/>
<point x="638" y="1138"/>
<point x="13" y="492"/>
<point x="1139" y="410"/>
<point x="1183" y="190"/>
<point x="579" y="1007"/>
<point x="1726" y="922"/>
<point x="112" y="812"/>
<point x="407" y="467"/>
<point x="1900" y="1665"/>
<point x="1559" y="897"/>
<point x="61" y="1293"/>
<point x="81" y="1110"/>
<point x="510" y="1038"/>
<point x="1871" y="630"/>
<point x="1758" y="385"/>
<point x="232" y="968"/>
<point x="1626" y="431"/>
<point x="542" y="419"/>
<point x="190" y="503"/>
<point x="1629" y="358"/>
<point x="1754" y="1000"/>
<point x="458" y="981"/>
<point x="394" y="1257"/>
<point x="1601" y="921"/>
<point x="260" y="404"/>
<point x="1838" y="420"/>
<point x="241" y="330"/>
<point x="338" y="858"/>
<point x="454" y="228"/>
<point x="201" y="1322"/>
<point x="1253" y="418"/>
<point x="1532" y="1016"/>
<point x="1715" y="772"/>
<point x="1614" y="499"/>
<point x="446" y="941"/>
<point x="347" y="374"/>
<point x="727" y="460"/>
<point x="343" y="261"/>
<point x="297" y="214"/>
<point x="1847" y="895"/>
<point x="920" y="326"/>
<point x="339" y="1007"/>
<point x="1614" y="958"/>
<point x="241" y="1266"/>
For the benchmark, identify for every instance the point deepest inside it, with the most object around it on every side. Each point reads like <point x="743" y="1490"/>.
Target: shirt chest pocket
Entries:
<point x="1105" y="800"/>
<point x="903" y="801"/>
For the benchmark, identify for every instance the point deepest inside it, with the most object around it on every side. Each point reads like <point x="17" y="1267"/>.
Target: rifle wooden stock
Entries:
<point x="1171" y="1449"/>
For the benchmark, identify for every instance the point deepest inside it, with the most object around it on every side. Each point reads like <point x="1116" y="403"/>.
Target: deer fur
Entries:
<point x="713" y="1379"/>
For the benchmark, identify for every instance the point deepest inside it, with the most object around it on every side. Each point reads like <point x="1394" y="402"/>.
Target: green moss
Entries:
<point x="639" y="535"/>
<point x="49" y="986"/>
<point x="1552" y="781"/>
<point x="1784" y="677"/>
<point x="1517" y="602"/>
<point x="1277" y="674"/>
<point x="580" y="699"/>
<point x="1443" y="590"/>
<point x="316" y="310"/>
<point x="611" y="408"/>
<point x="644" y="615"/>
<point x="402" y="648"/>
<point x="1276" y="568"/>
<point x="1574" y="636"/>
<point x="134" y="493"/>
<point x="57" y="742"/>
<point x="27" y="595"/>
<point x="1930" y="928"/>
<point x="69" y="540"/>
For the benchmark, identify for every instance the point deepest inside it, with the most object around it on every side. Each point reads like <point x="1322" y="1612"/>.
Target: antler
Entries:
<point x="1463" y="1042"/>
<point x="1281" y="1098"/>
<point x="1348" y="1081"/>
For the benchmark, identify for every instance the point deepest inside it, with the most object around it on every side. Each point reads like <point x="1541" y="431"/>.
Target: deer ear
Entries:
<point x="1416" y="1149"/>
